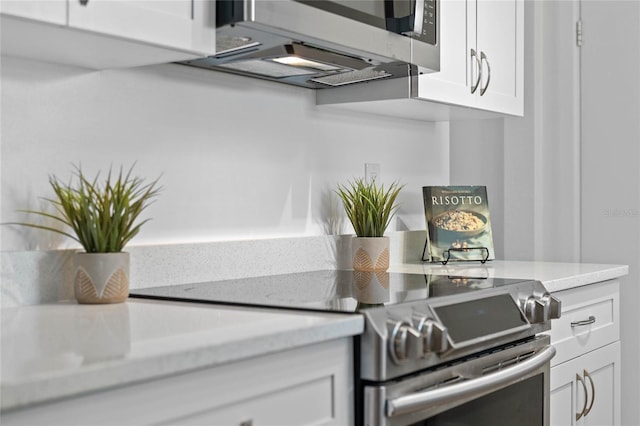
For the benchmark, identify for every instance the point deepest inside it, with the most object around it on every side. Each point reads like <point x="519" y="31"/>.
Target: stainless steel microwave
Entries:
<point x="325" y="43"/>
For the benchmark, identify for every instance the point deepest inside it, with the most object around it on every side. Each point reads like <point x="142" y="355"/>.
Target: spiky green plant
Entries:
<point x="102" y="216"/>
<point x="369" y="207"/>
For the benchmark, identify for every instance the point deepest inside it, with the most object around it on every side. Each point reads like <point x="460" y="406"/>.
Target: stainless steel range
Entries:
<point x="436" y="350"/>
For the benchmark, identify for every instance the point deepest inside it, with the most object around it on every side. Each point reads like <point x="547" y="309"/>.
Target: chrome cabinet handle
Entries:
<point x="591" y="320"/>
<point x="425" y="399"/>
<point x="593" y="392"/>
<point x="483" y="57"/>
<point x="474" y="55"/>
<point x="586" y="397"/>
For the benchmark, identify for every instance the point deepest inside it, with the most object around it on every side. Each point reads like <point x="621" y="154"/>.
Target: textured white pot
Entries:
<point x="370" y="253"/>
<point x="101" y="277"/>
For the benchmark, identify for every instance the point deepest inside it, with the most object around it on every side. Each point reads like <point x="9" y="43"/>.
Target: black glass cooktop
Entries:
<point x="326" y="290"/>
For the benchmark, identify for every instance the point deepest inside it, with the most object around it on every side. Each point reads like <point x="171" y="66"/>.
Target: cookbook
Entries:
<point x="458" y="223"/>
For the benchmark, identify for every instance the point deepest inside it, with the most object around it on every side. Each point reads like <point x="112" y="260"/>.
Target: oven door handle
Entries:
<point x="476" y="387"/>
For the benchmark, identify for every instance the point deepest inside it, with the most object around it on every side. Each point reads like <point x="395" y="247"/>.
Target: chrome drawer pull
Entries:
<point x="591" y="320"/>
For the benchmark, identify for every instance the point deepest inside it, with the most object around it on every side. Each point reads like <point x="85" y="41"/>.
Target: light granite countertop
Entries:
<point x="57" y="350"/>
<point x="555" y="276"/>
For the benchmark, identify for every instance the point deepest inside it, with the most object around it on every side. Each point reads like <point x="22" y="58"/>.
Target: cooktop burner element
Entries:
<point x="326" y="290"/>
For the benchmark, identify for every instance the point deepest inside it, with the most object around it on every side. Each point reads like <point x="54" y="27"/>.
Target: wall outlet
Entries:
<point x="371" y="172"/>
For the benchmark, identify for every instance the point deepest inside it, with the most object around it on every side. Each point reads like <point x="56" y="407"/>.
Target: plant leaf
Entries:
<point x="102" y="215"/>
<point x="369" y="207"/>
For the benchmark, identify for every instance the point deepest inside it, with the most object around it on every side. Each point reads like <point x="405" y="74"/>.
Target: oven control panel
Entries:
<point x="434" y="334"/>
<point x="539" y="309"/>
<point x="426" y="333"/>
<point x="416" y="339"/>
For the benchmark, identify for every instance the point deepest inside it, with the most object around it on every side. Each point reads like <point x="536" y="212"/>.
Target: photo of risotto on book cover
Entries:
<point x="458" y="223"/>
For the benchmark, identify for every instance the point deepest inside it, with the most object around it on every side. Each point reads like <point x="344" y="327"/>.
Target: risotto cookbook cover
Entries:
<point x="458" y="224"/>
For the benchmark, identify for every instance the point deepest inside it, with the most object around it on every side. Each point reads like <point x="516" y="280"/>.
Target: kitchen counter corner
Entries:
<point x="59" y="350"/>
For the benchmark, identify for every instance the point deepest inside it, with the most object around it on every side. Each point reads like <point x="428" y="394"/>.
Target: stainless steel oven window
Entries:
<point x="495" y="388"/>
<point x="519" y="404"/>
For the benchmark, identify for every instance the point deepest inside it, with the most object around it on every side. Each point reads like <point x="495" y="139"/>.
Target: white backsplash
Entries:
<point x="248" y="169"/>
<point x="37" y="277"/>
<point x="239" y="158"/>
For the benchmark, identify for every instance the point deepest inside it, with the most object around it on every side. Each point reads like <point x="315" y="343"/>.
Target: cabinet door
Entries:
<point x="51" y="11"/>
<point x="452" y="84"/>
<point x="481" y="56"/>
<point x="590" y="385"/>
<point x="178" y="24"/>
<point x="300" y="404"/>
<point x="499" y="44"/>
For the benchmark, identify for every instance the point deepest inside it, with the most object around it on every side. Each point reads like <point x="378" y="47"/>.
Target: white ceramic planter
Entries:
<point x="370" y="253"/>
<point x="101" y="277"/>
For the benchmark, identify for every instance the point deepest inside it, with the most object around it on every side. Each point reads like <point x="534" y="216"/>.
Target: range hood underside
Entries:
<point x="245" y="50"/>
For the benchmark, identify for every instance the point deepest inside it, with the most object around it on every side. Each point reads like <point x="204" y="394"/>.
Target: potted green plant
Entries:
<point x="103" y="218"/>
<point x="370" y="208"/>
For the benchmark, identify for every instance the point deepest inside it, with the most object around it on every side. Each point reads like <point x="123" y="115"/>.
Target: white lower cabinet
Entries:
<point x="312" y="385"/>
<point x="585" y="374"/>
<point x="584" y="390"/>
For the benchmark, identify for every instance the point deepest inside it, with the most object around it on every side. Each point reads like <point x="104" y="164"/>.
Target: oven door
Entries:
<point x="497" y="388"/>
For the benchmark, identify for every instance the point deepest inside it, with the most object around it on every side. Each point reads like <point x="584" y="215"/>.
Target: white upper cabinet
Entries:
<point x="482" y="56"/>
<point x="101" y="34"/>
<point x="452" y="83"/>
<point x="499" y="42"/>
<point x="180" y="24"/>
<point x="481" y="70"/>
<point x="52" y="11"/>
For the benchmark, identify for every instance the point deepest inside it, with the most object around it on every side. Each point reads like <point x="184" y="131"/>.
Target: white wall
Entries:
<point x="611" y="166"/>
<point x="477" y="158"/>
<point x="240" y="158"/>
<point x="542" y="149"/>
<point x="572" y="163"/>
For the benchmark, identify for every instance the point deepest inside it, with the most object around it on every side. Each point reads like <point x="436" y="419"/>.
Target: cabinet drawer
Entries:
<point x="589" y="320"/>
<point x="308" y="403"/>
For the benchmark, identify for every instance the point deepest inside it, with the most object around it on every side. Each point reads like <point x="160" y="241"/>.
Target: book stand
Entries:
<point x="447" y="253"/>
